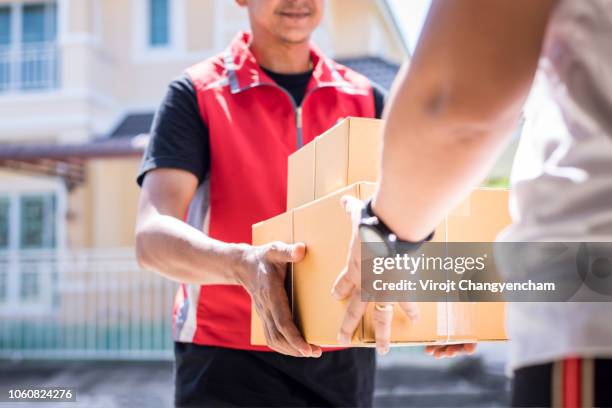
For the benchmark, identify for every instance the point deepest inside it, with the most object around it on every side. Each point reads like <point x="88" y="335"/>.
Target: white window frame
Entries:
<point x="143" y="51"/>
<point x="16" y="44"/>
<point x="14" y="190"/>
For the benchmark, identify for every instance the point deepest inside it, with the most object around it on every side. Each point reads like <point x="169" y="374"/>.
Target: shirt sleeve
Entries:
<point x="380" y="97"/>
<point x="179" y="138"/>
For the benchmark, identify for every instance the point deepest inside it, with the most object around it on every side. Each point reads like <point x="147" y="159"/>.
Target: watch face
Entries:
<point x="374" y="241"/>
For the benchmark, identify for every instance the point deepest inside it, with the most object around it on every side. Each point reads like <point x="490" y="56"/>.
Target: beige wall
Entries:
<point x="359" y="27"/>
<point x="200" y="25"/>
<point x="112" y="202"/>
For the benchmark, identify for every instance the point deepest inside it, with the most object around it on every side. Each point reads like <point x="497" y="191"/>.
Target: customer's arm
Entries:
<point x="166" y="244"/>
<point x="451" y="112"/>
<point x="448" y="117"/>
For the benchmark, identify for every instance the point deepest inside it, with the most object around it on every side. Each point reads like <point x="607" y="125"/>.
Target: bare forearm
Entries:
<point x="429" y="167"/>
<point x="452" y="111"/>
<point x="182" y="253"/>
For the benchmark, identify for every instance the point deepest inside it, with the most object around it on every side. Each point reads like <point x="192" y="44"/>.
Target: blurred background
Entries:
<point x="79" y="84"/>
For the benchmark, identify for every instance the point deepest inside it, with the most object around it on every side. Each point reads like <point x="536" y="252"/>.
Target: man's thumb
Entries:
<point x="282" y="252"/>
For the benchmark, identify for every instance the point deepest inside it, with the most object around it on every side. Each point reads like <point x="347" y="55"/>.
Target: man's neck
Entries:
<point x="282" y="58"/>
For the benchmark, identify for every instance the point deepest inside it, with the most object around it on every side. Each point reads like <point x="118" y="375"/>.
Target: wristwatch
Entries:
<point x="379" y="238"/>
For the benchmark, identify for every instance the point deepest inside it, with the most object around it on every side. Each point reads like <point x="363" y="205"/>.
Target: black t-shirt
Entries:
<point x="179" y="137"/>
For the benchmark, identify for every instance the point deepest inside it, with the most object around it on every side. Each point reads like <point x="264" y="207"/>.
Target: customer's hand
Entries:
<point x="348" y="285"/>
<point x="450" y="350"/>
<point x="261" y="270"/>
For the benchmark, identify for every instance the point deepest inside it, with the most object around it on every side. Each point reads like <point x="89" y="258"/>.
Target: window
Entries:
<point x="3" y="284"/>
<point x="159" y="23"/>
<point x="5" y="25"/>
<point x="38" y="23"/>
<point x="37" y="221"/>
<point x="4" y="222"/>
<point x="30" y="290"/>
<point x="28" y="237"/>
<point x="28" y="49"/>
<point x="5" y="42"/>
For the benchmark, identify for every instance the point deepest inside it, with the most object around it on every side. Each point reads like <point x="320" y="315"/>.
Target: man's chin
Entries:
<point x="295" y="38"/>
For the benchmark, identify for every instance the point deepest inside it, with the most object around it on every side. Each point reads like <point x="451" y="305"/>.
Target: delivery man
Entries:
<point x="216" y="163"/>
<point x="457" y="104"/>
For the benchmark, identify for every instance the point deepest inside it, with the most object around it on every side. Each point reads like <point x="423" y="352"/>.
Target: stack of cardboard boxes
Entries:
<point x="345" y="160"/>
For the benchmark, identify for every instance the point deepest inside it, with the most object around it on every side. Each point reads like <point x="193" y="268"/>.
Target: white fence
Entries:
<point x="83" y="304"/>
<point x="29" y="67"/>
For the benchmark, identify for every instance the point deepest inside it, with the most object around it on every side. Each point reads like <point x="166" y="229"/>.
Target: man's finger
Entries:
<point x="281" y="252"/>
<point x="354" y="312"/>
<point x="343" y="285"/>
<point x="275" y="340"/>
<point x="382" y="317"/>
<point x="284" y="323"/>
<point x="295" y="340"/>
<point x="411" y="309"/>
<point x="279" y="344"/>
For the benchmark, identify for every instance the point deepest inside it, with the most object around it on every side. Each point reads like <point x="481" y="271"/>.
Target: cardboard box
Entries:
<point x="279" y="228"/>
<point x="480" y="218"/>
<point x="326" y="230"/>
<point x="346" y="154"/>
<point x="301" y="176"/>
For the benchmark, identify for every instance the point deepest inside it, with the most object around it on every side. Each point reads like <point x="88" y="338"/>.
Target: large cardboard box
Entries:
<point x="279" y="228"/>
<point x="325" y="229"/>
<point x="346" y="154"/>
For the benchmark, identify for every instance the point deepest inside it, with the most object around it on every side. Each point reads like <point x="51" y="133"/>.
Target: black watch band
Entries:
<point x="394" y="245"/>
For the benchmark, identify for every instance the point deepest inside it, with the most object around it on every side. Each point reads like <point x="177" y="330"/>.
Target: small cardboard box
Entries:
<point x="301" y="176"/>
<point x="346" y="154"/>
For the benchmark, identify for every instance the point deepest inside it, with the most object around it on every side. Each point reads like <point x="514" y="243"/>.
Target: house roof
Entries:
<point x="376" y="69"/>
<point x="133" y="124"/>
<point x="67" y="160"/>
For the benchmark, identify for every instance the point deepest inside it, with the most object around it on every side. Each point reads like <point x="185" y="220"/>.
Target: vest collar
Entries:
<point x="244" y="72"/>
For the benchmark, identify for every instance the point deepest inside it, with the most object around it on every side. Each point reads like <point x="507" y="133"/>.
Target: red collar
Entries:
<point x="244" y="72"/>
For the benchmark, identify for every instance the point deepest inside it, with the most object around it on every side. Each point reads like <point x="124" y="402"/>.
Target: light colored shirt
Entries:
<point x="562" y="177"/>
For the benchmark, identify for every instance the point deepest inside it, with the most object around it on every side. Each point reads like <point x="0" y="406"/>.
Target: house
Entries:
<point x="79" y="82"/>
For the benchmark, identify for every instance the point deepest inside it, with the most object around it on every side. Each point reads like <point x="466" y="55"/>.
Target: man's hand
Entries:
<point x="261" y="270"/>
<point x="348" y="285"/>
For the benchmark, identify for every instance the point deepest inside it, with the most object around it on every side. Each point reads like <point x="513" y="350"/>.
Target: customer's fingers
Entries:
<point x="352" y="317"/>
<point x="411" y="309"/>
<point x="382" y="317"/>
<point x="343" y="286"/>
<point x="450" y="350"/>
<point x="469" y="348"/>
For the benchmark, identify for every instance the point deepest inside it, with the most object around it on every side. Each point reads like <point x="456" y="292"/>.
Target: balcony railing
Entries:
<point x="29" y="67"/>
<point x="83" y="304"/>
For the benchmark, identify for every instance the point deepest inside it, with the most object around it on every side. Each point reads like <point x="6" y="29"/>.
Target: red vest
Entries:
<point x="254" y="126"/>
